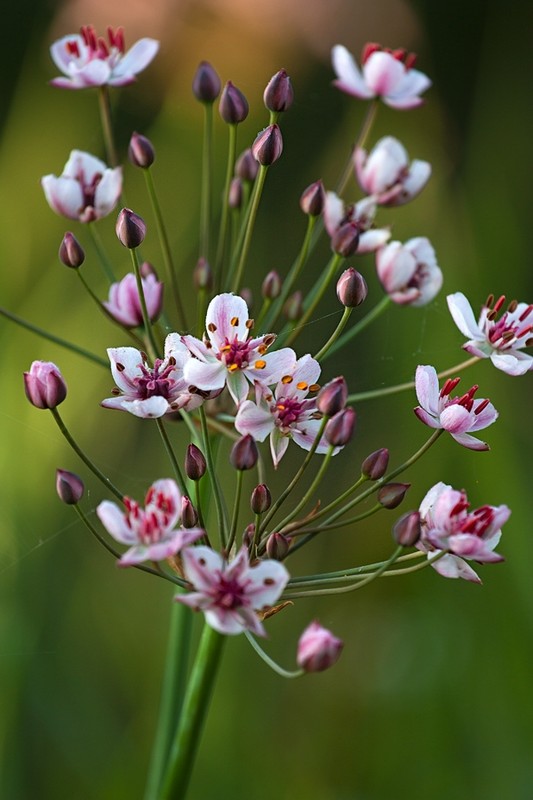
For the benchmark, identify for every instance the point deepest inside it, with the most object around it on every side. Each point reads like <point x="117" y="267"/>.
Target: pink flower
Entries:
<point x="227" y="356"/>
<point x="87" y="189"/>
<point x="124" y="304"/>
<point x="44" y="385"/>
<point x="337" y="214"/>
<point x="151" y="532"/>
<point x="318" y="649"/>
<point x="457" y="415"/>
<point x="386" y="174"/>
<point x="501" y="339"/>
<point x="152" y="391"/>
<point x="88" y="60"/>
<point x="229" y="594"/>
<point x="385" y="74"/>
<point x="409" y="272"/>
<point x="447" y="525"/>
<point x="287" y="413"/>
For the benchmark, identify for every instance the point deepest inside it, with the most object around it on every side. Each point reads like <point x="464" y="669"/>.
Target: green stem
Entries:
<point x="221" y="517"/>
<point x="52" y="338"/>
<point x="401" y="387"/>
<point x="138" y="341"/>
<point x="285" y="673"/>
<point x="352" y="572"/>
<point x="235" y="515"/>
<point x="104" y="103"/>
<point x="86" y="460"/>
<point x="309" y="493"/>
<point x="361" y="139"/>
<point x="172" y="693"/>
<point x="165" y="247"/>
<point x="98" y="246"/>
<point x="250" y="222"/>
<point x="207" y="179"/>
<point x="223" y="231"/>
<point x="194" y="710"/>
<point x="171" y="455"/>
<point x="335" y="335"/>
<point x="148" y="329"/>
<point x="361" y="325"/>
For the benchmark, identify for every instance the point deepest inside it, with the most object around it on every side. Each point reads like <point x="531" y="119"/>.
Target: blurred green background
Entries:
<point x="432" y="697"/>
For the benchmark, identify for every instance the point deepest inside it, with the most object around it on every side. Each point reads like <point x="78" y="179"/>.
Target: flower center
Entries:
<point x="235" y="354"/>
<point x="287" y="410"/>
<point x="229" y="594"/>
<point x="156" y="382"/>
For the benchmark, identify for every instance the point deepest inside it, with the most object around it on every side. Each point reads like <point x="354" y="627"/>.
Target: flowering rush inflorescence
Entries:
<point x="221" y="529"/>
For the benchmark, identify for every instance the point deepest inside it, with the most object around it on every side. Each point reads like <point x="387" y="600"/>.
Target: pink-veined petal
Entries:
<point x="206" y="376"/>
<point x="349" y="77"/>
<point x="136" y="59"/>
<point x="427" y="388"/>
<point x="202" y="567"/>
<point x="383" y="73"/>
<point x="454" y="567"/>
<point x="470" y="441"/>
<point x="226" y="317"/>
<point x="112" y="518"/>
<point x="64" y="195"/>
<point x="255" y="420"/>
<point x="463" y="316"/>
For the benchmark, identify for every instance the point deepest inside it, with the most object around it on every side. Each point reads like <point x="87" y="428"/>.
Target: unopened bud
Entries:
<point x="189" y="517"/>
<point x="277" y="546"/>
<point x="261" y="499"/>
<point x="195" y="464"/>
<point x="339" y="429"/>
<point x="235" y="193"/>
<point x="141" y="151"/>
<point x="271" y="286"/>
<point x="375" y="465"/>
<point x="294" y="307"/>
<point x="147" y="269"/>
<point x="279" y="94"/>
<point x="406" y="530"/>
<point x="69" y="487"/>
<point x="246" y="167"/>
<point x="44" y="385"/>
<point x="351" y="288"/>
<point x="268" y="145"/>
<point x="233" y="106"/>
<point x="332" y="397"/>
<point x="203" y="275"/>
<point x="244" y="453"/>
<point x="130" y="229"/>
<point x="248" y="535"/>
<point x="206" y="83"/>
<point x="71" y="253"/>
<point x="345" y="240"/>
<point x="313" y="199"/>
<point x="318" y="648"/>
<point x="391" y="494"/>
<point x="247" y="296"/>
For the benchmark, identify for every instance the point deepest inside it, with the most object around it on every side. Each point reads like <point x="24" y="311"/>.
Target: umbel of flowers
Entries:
<point x="241" y="380"/>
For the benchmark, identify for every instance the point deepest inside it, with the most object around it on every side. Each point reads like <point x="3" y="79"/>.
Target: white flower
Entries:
<point x="86" y="190"/>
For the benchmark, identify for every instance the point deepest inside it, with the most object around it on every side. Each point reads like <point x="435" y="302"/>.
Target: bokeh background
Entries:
<point x="432" y="697"/>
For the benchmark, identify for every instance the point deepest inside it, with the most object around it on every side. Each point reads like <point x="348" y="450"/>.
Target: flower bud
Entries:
<point x="246" y="167"/>
<point x="339" y="429"/>
<point x="345" y="240"/>
<point x="195" y="464"/>
<point x="69" y="487"/>
<point x="189" y="517"/>
<point x="279" y="94"/>
<point x="390" y="495"/>
<point x="71" y="253"/>
<point x="271" y="286"/>
<point x="318" y="648"/>
<point x="248" y="535"/>
<point x="351" y="288"/>
<point x="147" y="269"/>
<point x="247" y="296"/>
<point x="294" y="307"/>
<point x="141" y="151"/>
<point x="375" y="465"/>
<point x="206" y="83"/>
<point x="406" y="530"/>
<point x="233" y="106"/>
<point x="277" y="546"/>
<point x="130" y="229"/>
<point x="261" y="499"/>
<point x="203" y="275"/>
<point x="268" y="145"/>
<point x="244" y="453"/>
<point x="44" y="385"/>
<point x="313" y="199"/>
<point x="332" y="397"/>
<point x="235" y="193"/>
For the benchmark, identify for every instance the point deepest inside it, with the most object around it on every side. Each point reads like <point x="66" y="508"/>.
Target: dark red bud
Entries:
<point x="271" y="286"/>
<point x="268" y="145"/>
<point x="189" y="517"/>
<point x="44" y="385"/>
<point x="332" y="397"/>
<point x="235" y="193"/>
<point x="313" y="199"/>
<point x="351" y="288"/>
<point x="339" y="429"/>
<point x="69" y="487"/>
<point x="233" y="106"/>
<point x="71" y="253"/>
<point x="206" y="83"/>
<point x="375" y="465"/>
<point x="246" y="167"/>
<point x="391" y="494"/>
<point x="195" y="464"/>
<point x="368" y="49"/>
<point x="277" y="546"/>
<point x="244" y="453"/>
<point x="203" y="275"/>
<point x="279" y="94"/>
<point x="130" y="229"/>
<point x="345" y="240"/>
<point x="406" y="529"/>
<point x="261" y="499"/>
<point x="294" y="307"/>
<point x="141" y="151"/>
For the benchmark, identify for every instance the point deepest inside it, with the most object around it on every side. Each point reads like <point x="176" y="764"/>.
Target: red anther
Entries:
<point x="527" y="311"/>
<point x="449" y="386"/>
<point x="103" y="49"/>
<point x="482" y="406"/>
<point x="499" y="303"/>
<point x="459" y="507"/>
<point x="524" y="331"/>
<point x="512" y="306"/>
<point x="489" y="301"/>
<point x="368" y="49"/>
<point x="492" y="314"/>
<point x="410" y="60"/>
<point x="399" y="54"/>
<point x="73" y="49"/>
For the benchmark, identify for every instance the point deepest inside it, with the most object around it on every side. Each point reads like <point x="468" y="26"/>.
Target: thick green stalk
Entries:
<point x="194" y="710"/>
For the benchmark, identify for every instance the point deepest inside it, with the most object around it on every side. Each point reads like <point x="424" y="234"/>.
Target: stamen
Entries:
<point x="249" y="324"/>
<point x="211" y="327"/>
<point x="233" y="367"/>
<point x="262" y="349"/>
<point x="234" y="321"/>
<point x="260" y="364"/>
<point x="302" y="385"/>
<point x="287" y="379"/>
<point x="120" y="367"/>
<point x="525" y="313"/>
<point x="315" y="387"/>
<point x="481" y="406"/>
